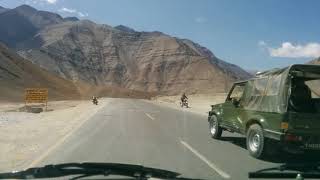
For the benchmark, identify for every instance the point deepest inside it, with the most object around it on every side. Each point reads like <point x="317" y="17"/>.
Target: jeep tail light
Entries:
<point x="291" y="137"/>
<point x="284" y="125"/>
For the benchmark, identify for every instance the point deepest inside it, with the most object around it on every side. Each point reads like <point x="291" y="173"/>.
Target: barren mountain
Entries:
<point x="84" y="51"/>
<point x="17" y="74"/>
<point x="2" y="9"/>
<point x="23" y="22"/>
<point x="70" y="19"/>
<point x="315" y="61"/>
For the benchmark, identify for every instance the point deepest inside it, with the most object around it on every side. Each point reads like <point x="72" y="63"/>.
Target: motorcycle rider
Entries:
<point x="183" y="98"/>
<point x="94" y="100"/>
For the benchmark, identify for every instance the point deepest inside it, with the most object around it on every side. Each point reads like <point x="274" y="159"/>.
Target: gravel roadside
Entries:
<point x="25" y="136"/>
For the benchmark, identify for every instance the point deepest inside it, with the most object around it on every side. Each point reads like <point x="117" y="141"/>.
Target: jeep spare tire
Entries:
<point x="214" y="128"/>
<point x="256" y="141"/>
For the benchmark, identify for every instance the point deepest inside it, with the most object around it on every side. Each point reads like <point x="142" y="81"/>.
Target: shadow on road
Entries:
<point x="281" y="156"/>
<point x="239" y="141"/>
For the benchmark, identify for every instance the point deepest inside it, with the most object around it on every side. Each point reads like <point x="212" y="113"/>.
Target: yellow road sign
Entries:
<point x="36" y="95"/>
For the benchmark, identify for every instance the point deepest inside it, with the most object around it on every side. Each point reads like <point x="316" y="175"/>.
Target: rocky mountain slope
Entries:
<point x="315" y="61"/>
<point x="23" y="22"/>
<point x="16" y="74"/>
<point x="2" y="9"/>
<point x="84" y="51"/>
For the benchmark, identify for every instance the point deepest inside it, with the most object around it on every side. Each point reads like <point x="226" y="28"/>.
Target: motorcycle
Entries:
<point x="95" y="101"/>
<point x="184" y="103"/>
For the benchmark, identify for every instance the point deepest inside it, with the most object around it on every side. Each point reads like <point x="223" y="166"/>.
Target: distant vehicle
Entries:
<point x="277" y="110"/>
<point x="95" y="100"/>
<point x="184" y="103"/>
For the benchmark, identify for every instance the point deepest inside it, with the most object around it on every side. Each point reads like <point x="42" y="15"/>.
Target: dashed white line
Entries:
<point x="149" y="116"/>
<point x="210" y="164"/>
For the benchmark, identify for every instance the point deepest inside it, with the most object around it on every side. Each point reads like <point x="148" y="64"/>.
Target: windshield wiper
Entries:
<point x="291" y="170"/>
<point x="91" y="169"/>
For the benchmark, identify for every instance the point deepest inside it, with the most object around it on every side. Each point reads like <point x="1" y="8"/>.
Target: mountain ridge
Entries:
<point x="315" y="61"/>
<point x="23" y="22"/>
<point x="16" y="74"/>
<point x="120" y="56"/>
<point x="2" y="9"/>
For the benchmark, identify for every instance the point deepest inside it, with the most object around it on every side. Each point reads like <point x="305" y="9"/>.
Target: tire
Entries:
<point x="256" y="142"/>
<point x="214" y="128"/>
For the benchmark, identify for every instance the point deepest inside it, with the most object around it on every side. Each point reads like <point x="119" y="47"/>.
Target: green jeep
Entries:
<point x="277" y="108"/>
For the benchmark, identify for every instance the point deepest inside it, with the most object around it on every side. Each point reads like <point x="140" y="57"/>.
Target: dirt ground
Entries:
<point x="199" y="103"/>
<point x="25" y="136"/>
<point x="51" y="106"/>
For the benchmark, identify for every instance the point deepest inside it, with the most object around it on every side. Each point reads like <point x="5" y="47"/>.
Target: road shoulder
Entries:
<point x="26" y="137"/>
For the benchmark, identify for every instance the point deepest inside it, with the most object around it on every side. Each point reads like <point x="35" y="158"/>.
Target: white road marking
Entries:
<point x="149" y="116"/>
<point x="210" y="164"/>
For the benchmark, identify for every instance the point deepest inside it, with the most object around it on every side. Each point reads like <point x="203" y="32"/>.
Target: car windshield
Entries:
<point x="165" y="89"/>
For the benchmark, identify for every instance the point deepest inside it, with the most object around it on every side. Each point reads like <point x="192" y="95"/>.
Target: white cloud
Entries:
<point x="83" y="14"/>
<point x="200" y="20"/>
<point x="289" y="50"/>
<point x="51" y="1"/>
<point x="67" y="10"/>
<point x="40" y="2"/>
<point x="73" y="11"/>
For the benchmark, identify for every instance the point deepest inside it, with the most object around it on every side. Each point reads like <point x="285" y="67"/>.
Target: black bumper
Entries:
<point x="278" y="136"/>
<point x="306" y="144"/>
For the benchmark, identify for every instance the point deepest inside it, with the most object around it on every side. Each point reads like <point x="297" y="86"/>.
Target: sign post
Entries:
<point x="36" y="95"/>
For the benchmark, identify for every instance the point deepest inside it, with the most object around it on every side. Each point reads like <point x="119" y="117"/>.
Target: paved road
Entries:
<point x="140" y="132"/>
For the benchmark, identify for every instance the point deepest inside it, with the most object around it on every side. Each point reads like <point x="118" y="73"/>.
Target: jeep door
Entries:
<point x="231" y="109"/>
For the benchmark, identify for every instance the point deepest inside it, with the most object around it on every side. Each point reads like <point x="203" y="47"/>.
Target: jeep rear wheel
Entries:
<point x="256" y="143"/>
<point x="215" y="129"/>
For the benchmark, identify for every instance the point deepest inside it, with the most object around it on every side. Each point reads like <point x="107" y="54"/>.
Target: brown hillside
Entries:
<point x="16" y="74"/>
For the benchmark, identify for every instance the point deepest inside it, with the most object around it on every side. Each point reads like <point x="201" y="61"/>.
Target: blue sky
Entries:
<point x="255" y="35"/>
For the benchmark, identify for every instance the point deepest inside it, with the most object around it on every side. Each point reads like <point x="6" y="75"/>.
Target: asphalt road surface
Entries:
<point x="140" y="132"/>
